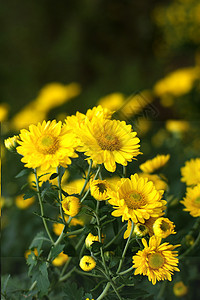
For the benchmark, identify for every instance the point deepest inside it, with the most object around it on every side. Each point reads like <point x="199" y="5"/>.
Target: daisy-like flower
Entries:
<point x="46" y="145"/>
<point x="192" y="201"/>
<point x="99" y="189"/>
<point x="87" y="263"/>
<point x="191" y="172"/>
<point x="108" y="142"/>
<point x="154" y="164"/>
<point x="163" y="227"/>
<point x="141" y="229"/>
<point x="71" y="205"/>
<point x="157" y="261"/>
<point x="136" y="199"/>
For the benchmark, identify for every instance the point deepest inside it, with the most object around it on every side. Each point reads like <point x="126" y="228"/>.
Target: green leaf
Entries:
<point x="32" y="262"/>
<point x="29" y="194"/>
<point x="41" y="275"/>
<point x="72" y="292"/>
<point x="56" y="250"/>
<point x="5" y="283"/>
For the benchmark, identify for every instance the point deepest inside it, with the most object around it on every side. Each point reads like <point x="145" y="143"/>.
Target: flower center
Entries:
<point x="156" y="260"/>
<point x="47" y="144"/>
<point x="102" y="188"/>
<point x="108" y="142"/>
<point x="134" y="200"/>
<point x="164" y="226"/>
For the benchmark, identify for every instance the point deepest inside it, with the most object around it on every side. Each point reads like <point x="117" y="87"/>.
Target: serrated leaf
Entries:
<point x="72" y="292"/>
<point x="41" y="275"/>
<point x="5" y="283"/>
<point x="56" y="250"/>
<point x="29" y="194"/>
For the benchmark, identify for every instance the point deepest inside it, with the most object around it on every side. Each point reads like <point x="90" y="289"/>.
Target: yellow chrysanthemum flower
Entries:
<point x="163" y="227"/>
<point x="87" y="263"/>
<point x="192" y="201"/>
<point x="154" y="164"/>
<point x="157" y="181"/>
<point x="23" y="204"/>
<point x="60" y="259"/>
<point x="180" y="289"/>
<point x="12" y="143"/>
<point x="46" y="145"/>
<point x="136" y="199"/>
<point x="90" y="239"/>
<point x="28" y="252"/>
<point x="140" y="230"/>
<point x="108" y="142"/>
<point x="71" y="205"/>
<point x="191" y="172"/>
<point x="99" y="189"/>
<point x="157" y="261"/>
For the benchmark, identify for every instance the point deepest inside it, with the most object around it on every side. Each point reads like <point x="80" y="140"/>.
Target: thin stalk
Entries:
<point x="189" y="250"/>
<point x="88" y="274"/>
<point x="41" y="207"/>
<point x="126" y="271"/>
<point x="67" y="275"/>
<point x="103" y="294"/>
<point x="124" y="171"/>
<point x="111" y="283"/>
<point x="125" y="249"/>
<point x="87" y="178"/>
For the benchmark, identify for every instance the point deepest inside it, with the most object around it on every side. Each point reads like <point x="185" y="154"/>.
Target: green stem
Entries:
<point x="197" y="241"/>
<point x="67" y="275"/>
<point x="41" y="207"/>
<point x="125" y="249"/>
<point x="115" y="237"/>
<point x="126" y="271"/>
<point x="103" y="294"/>
<point x="88" y="274"/>
<point x="111" y="283"/>
<point x="87" y="178"/>
<point x="74" y="232"/>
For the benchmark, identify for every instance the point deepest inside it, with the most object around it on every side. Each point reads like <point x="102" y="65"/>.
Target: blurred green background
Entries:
<point x="105" y="46"/>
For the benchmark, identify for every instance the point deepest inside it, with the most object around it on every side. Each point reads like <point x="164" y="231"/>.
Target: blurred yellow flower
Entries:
<point x="46" y="145"/>
<point x="75" y="186"/>
<point x="177" y="83"/>
<point x="180" y="289"/>
<point x="108" y="141"/>
<point x="87" y="263"/>
<point x="28" y="252"/>
<point x="157" y="261"/>
<point x="136" y="199"/>
<point x="99" y="189"/>
<point x="136" y="103"/>
<point x="192" y="201"/>
<point x="163" y="227"/>
<point x="154" y="164"/>
<point x="4" y="108"/>
<point x="177" y="126"/>
<point x="60" y="259"/>
<point x="55" y="94"/>
<point x="58" y="227"/>
<point x="23" y="204"/>
<point x="191" y="172"/>
<point x="71" y="205"/>
<point x="112" y="101"/>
